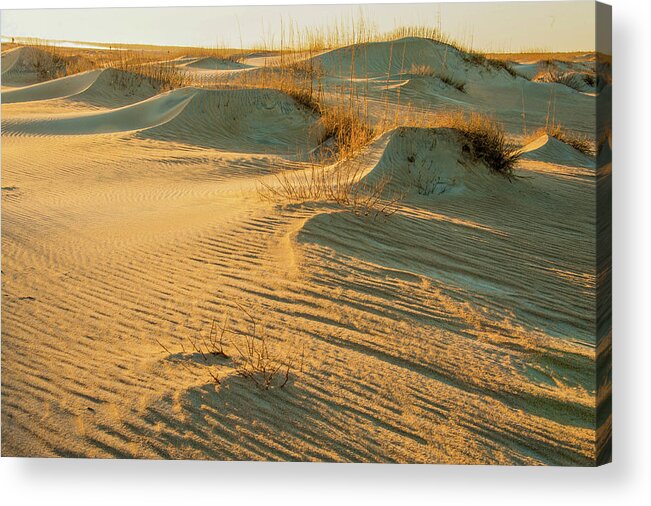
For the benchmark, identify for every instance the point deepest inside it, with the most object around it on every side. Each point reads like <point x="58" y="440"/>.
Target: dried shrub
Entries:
<point x="343" y="185"/>
<point x="254" y="358"/>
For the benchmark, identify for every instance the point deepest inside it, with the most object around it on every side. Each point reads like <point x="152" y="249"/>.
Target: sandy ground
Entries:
<point x="458" y="330"/>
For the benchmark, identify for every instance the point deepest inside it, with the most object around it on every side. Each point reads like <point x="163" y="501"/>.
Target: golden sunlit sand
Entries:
<point x="301" y="255"/>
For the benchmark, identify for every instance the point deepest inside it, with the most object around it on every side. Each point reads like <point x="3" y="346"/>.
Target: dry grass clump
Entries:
<point x="422" y="70"/>
<point x="345" y="124"/>
<point x="50" y="62"/>
<point x="420" y="31"/>
<point x="344" y="120"/>
<point x="162" y="75"/>
<point x="551" y="73"/>
<point x="487" y="140"/>
<point x="348" y="31"/>
<point x="342" y="185"/>
<point x="556" y="130"/>
<point x="295" y="74"/>
<point x="233" y="55"/>
<point x="590" y="80"/>
<point x="302" y="84"/>
<point x="254" y="359"/>
<point x="480" y="59"/>
<point x="345" y="32"/>
<point x="427" y="71"/>
<point x="49" y="66"/>
<point x="342" y="32"/>
<point x="605" y="138"/>
<point x="502" y="65"/>
<point x="569" y="79"/>
<point x="423" y="32"/>
<point x="259" y="362"/>
<point x="451" y="81"/>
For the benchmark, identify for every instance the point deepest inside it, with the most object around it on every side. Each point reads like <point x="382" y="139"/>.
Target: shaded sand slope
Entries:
<point x="252" y="121"/>
<point x="431" y="162"/>
<point x="458" y="329"/>
<point x="551" y="150"/>
<point x="146" y="114"/>
<point x="108" y="88"/>
<point x="116" y="88"/>
<point x="58" y="88"/>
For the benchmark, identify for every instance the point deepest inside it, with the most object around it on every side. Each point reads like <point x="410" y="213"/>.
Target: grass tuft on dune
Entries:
<point x="558" y="132"/>
<point x="486" y="137"/>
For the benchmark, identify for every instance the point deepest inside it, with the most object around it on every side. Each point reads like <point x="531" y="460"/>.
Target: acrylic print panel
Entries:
<point x="308" y="233"/>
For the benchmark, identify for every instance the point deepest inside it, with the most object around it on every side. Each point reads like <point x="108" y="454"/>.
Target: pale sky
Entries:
<point x="498" y="26"/>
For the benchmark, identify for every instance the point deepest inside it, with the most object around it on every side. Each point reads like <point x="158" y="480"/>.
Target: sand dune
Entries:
<point x="550" y="150"/>
<point x="146" y="114"/>
<point x="391" y="58"/>
<point x="458" y="330"/>
<point x="102" y="87"/>
<point x="432" y="162"/>
<point x="252" y="121"/>
<point x="117" y="88"/>
<point x="58" y="88"/>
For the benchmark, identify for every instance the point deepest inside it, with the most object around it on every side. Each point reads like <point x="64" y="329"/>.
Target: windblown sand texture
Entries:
<point x="460" y="329"/>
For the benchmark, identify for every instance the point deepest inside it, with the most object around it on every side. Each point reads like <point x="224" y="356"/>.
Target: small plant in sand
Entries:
<point x="254" y="357"/>
<point x="208" y="348"/>
<point x="424" y="179"/>
<point x="343" y="185"/>
<point x="257" y="361"/>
